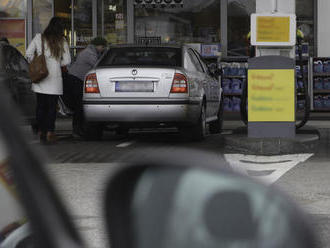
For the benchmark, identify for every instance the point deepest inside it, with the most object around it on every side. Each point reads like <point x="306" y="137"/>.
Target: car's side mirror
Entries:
<point x="213" y="70"/>
<point x="163" y="204"/>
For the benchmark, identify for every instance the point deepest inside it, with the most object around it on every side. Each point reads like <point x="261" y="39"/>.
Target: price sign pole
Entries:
<point x="271" y="74"/>
<point x="271" y="97"/>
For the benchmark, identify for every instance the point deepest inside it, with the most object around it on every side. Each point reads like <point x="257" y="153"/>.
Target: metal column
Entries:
<point x="130" y="21"/>
<point x="94" y="17"/>
<point x="224" y="26"/>
<point x="29" y="24"/>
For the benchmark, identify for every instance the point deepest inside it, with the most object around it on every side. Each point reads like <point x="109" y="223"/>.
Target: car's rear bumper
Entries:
<point x="147" y="111"/>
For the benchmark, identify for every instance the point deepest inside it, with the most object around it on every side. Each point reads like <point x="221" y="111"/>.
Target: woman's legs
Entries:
<point x="51" y="112"/>
<point x="46" y="114"/>
<point x="40" y="115"/>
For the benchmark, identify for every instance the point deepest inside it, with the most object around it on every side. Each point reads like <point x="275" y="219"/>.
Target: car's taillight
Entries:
<point x="91" y="85"/>
<point x="179" y="84"/>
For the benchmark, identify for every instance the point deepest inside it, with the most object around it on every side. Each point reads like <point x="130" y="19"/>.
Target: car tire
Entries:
<point x="196" y="132"/>
<point x="216" y="126"/>
<point x="92" y="131"/>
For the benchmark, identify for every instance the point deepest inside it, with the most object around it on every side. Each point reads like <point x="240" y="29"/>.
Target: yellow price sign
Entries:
<point x="273" y="29"/>
<point x="271" y="95"/>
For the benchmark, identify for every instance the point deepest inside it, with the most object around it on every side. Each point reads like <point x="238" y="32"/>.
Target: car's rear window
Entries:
<point x="142" y="56"/>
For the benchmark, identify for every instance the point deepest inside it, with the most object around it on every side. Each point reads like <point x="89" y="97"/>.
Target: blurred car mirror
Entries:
<point x="31" y="211"/>
<point x="154" y="204"/>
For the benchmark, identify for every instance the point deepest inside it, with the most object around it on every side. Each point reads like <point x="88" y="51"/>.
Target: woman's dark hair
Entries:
<point x="54" y="35"/>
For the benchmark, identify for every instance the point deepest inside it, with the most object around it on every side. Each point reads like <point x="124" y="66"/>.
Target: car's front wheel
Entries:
<point x="216" y="126"/>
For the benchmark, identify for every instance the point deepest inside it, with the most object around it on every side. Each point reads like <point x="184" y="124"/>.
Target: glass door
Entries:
<point x="192" y="22"/>
<point x="62" y="9"/>
<point x="83" y="23"/>
<point x="112" y="16"/>
<point x="78" y="17"/>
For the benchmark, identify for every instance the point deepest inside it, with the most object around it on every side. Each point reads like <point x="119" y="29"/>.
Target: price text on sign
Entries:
<point x="271" y="96"/>
<point x="273" y="29"/>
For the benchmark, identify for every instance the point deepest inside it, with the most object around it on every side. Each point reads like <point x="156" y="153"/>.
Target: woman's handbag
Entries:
<point x="38" y="67"/>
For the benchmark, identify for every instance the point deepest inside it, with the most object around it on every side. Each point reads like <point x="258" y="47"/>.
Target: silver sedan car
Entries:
<point x="141" y="86"/>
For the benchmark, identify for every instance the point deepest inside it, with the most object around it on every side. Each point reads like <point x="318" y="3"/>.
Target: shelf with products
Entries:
<point x="302" y="82"/>
<point x="321" y="91"/>
<point x="233" y="80"/>
<point x="301" y="76"/>
<point x="231" y="94"/>
<point x="322" y="109"/>
<point x="321" y="74"/>
<point x="320" y="87"/>
<point x="230" y="76"/>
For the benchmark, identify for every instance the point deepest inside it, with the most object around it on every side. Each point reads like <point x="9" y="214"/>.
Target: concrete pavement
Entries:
<point x="80" y="169"/>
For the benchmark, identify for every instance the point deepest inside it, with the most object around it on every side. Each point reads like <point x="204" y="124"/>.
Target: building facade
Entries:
<point x="224" y="22"/>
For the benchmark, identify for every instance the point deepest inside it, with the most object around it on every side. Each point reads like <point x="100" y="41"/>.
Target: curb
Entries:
<point x="306" y="141"/>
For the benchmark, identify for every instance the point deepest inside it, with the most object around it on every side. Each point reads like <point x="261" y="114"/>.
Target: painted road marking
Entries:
<point x="125" y="144"/>
<point x="268" y="169"/>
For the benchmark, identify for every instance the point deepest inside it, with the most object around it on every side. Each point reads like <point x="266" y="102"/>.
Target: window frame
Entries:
<point x="194" y="57"/>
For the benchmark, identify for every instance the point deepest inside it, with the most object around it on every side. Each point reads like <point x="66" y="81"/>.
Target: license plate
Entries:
<point x="134" y="86"/>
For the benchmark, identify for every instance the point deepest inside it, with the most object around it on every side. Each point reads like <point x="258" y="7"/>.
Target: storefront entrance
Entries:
<point x="225" y="22"/>
<point x="124" y="21"/>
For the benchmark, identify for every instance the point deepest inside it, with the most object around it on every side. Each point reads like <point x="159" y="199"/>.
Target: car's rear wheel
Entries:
<point x="197" y="132"/>
<point x="92" y="131"/>
<point x="216" y="126"/>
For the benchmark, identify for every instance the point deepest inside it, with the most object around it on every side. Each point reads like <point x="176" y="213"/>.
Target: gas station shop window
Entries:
<point x="114" y="24"/>
<point x="83" y="23"/>
<point x="63" y="10"/>
<point x="239" y="12"/>
<point x="42" y="13"/>
<point x="197" y="21"/>
<point x="13" y="9"/>
<point x="12" y="22"/>
<point x="305" y="22"/>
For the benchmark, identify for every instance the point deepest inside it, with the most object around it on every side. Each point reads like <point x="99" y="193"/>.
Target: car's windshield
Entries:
<point x="142" y="56"/>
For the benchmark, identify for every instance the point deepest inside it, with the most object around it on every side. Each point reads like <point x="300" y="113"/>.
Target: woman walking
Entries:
<point x="57" y="54"/>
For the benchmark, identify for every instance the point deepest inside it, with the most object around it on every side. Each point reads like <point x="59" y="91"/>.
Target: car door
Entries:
<point x="23" y="180"/>
<point x="7" y="68"/>
<point x="20" y="82"/>
<point x="214" y="88"/>
<point x="202" y="79"/>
